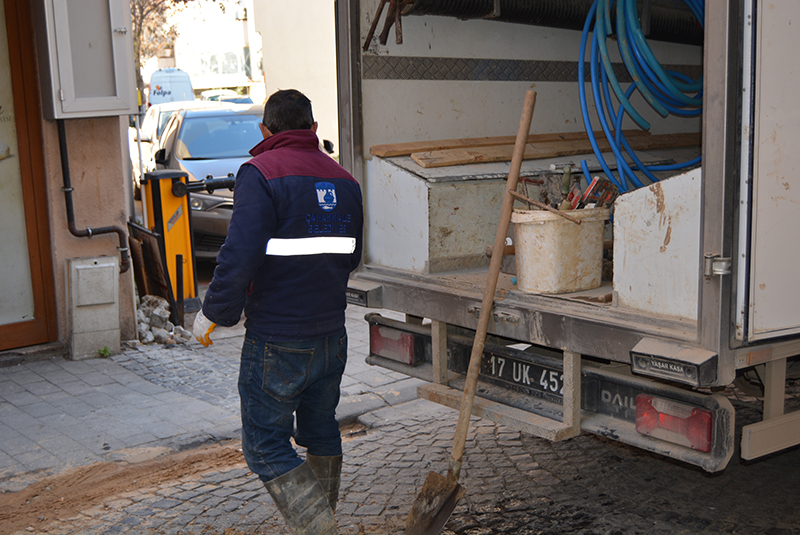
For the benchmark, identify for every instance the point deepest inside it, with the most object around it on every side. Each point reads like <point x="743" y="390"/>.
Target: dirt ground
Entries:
<point x="68" y="493"/>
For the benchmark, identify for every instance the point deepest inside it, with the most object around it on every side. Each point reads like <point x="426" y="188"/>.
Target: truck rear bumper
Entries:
<point x="523" y="390"/>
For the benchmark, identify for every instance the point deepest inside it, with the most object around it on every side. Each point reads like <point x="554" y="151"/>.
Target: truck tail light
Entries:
<point x="391" y="344"/>
<point x="674" y="422"/>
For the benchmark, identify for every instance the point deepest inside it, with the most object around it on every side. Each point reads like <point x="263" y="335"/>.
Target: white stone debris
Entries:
<point x="153" y="323"/>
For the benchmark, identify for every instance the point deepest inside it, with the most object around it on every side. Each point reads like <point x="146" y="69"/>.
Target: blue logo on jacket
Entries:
<point x="326" y="195"/>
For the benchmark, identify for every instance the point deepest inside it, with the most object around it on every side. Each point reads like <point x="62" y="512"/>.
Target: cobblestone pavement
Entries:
<point x="210" y="373"/>
<point x="516" y="484"/>
<point x="57" y="413"/>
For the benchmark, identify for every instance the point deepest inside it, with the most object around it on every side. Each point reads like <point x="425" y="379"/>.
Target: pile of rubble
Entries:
<point x="153" y="325"/>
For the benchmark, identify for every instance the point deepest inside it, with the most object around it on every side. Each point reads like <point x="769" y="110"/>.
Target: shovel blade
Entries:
<point x="435" y="503"/>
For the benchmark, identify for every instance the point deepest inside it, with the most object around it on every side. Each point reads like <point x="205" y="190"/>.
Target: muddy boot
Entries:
<point x="329" y="473"/>
<point x="302" y="502"/>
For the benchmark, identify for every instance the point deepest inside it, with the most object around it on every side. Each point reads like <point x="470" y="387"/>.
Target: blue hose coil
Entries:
<point x="667" y="92"/>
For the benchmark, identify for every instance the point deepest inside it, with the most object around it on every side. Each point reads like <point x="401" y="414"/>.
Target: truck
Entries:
<point x="701" y="293"/>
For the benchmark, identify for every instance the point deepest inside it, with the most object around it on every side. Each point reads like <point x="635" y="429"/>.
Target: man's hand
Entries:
<point x="202" y="329"/>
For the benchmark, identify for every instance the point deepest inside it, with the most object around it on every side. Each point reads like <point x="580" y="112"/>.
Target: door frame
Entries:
<point x="28" y="116"/>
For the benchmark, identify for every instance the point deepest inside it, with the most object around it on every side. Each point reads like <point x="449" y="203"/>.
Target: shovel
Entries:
<point x="439" y="494"/>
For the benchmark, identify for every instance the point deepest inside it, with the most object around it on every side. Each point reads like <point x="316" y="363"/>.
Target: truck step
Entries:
<point x="503" y="414"/>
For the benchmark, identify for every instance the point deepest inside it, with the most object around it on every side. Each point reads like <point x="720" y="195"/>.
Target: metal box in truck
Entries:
<point x="700" y="288"/>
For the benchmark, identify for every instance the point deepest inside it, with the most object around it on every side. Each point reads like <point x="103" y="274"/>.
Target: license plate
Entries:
<point x="523" y="376"/>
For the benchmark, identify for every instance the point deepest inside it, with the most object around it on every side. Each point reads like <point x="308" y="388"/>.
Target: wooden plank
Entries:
<point x="404" y="149"/>
<point x="769" y="436"/>
<point x="439" y="351"/>
<point x="572" y="392"/>
<point x="512" y="417"/>
<point x="535" y="151"/>
<point x="774" y="389"/>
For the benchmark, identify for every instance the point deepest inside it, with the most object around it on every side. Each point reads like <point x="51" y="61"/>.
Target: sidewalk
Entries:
<point x="57" y="414"/>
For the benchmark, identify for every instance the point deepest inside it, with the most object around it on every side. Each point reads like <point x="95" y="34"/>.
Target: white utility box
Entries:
<point x="93" y="306"/>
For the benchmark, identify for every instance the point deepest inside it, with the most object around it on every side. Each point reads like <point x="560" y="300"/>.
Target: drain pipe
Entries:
<point x="67" y="189"/>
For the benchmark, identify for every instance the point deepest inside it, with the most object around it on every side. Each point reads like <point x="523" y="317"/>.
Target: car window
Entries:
<point x="167" y="140"/>
<point x="236" y="100"/>
<point x="162" y="121"/>
<point x="148" y="125"/>
<point x="229" y="136"/>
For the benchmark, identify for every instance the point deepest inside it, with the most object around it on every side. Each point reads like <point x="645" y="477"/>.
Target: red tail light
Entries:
<point x="674" y="422"/>
<point x="391" y="344"/>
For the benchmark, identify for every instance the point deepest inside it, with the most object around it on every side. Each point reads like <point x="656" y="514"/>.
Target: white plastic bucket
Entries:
<point x="555" y="255"/>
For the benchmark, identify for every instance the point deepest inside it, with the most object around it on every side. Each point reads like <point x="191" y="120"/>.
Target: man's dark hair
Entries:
<point x="287" y="109"/>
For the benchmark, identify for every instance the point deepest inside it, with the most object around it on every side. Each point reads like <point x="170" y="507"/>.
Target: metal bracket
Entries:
<point x="715" y="265"/>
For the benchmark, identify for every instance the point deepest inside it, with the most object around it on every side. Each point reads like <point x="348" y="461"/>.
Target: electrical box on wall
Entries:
<point x="93" y="305"/>
<point x="85" y="58"/>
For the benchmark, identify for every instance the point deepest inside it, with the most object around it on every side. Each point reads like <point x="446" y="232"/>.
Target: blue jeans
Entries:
<point x="280" y="379"/>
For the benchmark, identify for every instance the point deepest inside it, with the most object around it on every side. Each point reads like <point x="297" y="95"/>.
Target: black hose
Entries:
<point x="67" y="189"/>
<point x="463" y="9"/>
<point x="670" y="21"/>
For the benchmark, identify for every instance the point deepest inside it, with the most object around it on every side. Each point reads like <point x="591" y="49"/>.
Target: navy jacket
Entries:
<point x="294" y="237"/>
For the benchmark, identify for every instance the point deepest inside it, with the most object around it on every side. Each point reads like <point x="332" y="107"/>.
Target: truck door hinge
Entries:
<point x="715" y="265"/>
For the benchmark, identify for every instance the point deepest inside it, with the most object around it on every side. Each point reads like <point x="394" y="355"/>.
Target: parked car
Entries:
<point x="236" y="99"/>
<point x="150" y="132"/>
<point x="211" y="142"/>
<point x="225" y="95"/>
<point x="215" y="94"/>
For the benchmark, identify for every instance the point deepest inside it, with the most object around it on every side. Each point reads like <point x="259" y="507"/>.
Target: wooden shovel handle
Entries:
<point x="460" y="439"/>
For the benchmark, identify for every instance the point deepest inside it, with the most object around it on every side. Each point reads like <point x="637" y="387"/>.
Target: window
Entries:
<point x="206" y="138"/>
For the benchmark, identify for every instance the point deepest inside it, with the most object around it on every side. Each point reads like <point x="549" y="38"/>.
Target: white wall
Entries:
<point x="397" y="111"/>
<point x="299" y="52"/>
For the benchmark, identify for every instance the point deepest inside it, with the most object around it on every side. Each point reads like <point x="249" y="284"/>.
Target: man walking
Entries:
<point x="293" y="239"/>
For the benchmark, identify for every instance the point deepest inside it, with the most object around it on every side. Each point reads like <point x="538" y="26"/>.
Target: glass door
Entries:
<point x="26" y="287"/>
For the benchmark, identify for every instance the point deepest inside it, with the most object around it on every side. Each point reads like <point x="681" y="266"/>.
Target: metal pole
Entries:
<point x="179" y="290"/>
<point x="141" y="171"/>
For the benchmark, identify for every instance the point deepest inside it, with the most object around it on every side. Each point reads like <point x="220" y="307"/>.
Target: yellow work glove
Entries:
<point x="202" y="329"/>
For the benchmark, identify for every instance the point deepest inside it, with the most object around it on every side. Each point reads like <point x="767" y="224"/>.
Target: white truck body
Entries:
<point x="704" y="278"/>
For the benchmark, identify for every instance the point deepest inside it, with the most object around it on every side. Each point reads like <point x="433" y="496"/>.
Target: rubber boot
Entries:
<point x="329" y="473"/>
<point x="302" y="502"/>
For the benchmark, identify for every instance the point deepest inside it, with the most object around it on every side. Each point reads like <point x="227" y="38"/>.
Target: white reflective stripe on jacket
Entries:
<point x="310" y="246"/>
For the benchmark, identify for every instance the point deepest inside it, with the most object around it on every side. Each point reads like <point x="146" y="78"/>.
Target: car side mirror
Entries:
<point x="160" y="157"/>
<point x="327" y="144"/>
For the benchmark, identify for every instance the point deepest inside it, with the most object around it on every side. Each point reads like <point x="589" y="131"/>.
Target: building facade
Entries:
<point x="66" y="90"/>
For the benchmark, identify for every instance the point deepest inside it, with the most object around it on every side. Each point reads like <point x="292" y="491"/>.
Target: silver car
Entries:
<point x="150" y="132"/>
<point x="209" y="143"/>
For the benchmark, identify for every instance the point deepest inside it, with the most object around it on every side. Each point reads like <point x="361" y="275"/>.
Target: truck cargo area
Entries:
<point x="689" y="259"/>
<point x="435" y="244"/>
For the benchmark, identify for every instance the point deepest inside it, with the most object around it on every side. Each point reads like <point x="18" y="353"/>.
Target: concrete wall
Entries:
<point x="299" y="52"/>
<point x="101" y="197"/>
